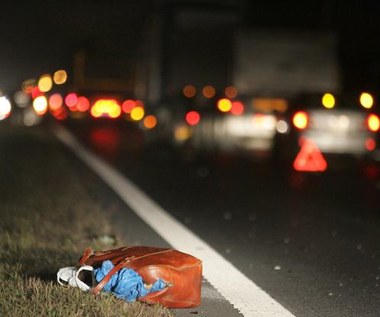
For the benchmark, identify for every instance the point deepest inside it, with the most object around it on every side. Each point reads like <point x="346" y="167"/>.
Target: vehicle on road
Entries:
<point x="337" y="125"/>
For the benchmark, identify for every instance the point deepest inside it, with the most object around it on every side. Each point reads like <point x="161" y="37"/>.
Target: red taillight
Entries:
<point x="192" y="117"/>
<point x="373" y="122"/>
<point x="300" y="120"/>
<point x="237" y="108"/>
<point x="83" y="104"/>
<point x="370" y="144"/>
<point x="71" y="100"/>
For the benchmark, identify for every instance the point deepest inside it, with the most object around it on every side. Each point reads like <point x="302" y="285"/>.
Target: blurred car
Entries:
<point x="246" y="132"/>
<point x="337" y="125"/>
<point x="244" y="126"/>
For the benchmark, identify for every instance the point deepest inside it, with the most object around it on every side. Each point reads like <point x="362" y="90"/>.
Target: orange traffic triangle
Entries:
<point x="309" y="158"/>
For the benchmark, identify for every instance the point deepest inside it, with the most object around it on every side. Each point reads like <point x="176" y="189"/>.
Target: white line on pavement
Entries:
<point x="239" y="290"/>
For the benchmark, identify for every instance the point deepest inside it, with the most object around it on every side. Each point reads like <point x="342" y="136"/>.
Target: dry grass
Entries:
<point x="48" y="215"/>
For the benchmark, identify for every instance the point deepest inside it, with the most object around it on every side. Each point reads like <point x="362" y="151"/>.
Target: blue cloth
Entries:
<point x="126" y="284"/>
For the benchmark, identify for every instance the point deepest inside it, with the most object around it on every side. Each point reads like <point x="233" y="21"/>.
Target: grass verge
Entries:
<point x="48" y="216"/>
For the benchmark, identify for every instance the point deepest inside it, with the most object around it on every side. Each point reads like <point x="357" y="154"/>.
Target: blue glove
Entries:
<point x="126" y="284"/>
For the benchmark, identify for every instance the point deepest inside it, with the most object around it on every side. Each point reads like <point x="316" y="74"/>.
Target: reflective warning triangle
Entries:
<point x="309" y="158"/>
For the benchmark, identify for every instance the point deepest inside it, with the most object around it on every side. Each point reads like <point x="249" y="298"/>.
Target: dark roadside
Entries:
<point x="53" y="207"/>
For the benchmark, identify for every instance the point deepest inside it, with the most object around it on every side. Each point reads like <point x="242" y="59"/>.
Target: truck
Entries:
<point x="265" y="66"/>
<point x="285" y="62"/>
<point x="270" y="68"/>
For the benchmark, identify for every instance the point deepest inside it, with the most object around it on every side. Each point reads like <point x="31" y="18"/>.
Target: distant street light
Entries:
<point x="366" y="100"/>
<point x="60" y="77"/>
<point x="45" y="83"/>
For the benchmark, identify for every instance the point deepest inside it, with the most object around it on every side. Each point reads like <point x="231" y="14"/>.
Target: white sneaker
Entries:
<point x="81" y="277"/>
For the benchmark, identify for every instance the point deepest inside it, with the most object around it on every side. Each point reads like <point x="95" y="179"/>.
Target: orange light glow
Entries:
<point x="60" y="77"/>
<point x="150" y="122"/>
<point x="182" y="133"/>
<point x="230" y="92"/>
<point x="55" y="101"/>
<point x="237" y="108"/>
<point x="300" y="120"/>
<point x="192" y="117"/>
<point x="209" y="91"/>
<point x="108" y="108"/>
<point x="269" y="104"/>
<point x="373" y="122"/>
<point x="83" y="104"/>
<point x="189" y="91"/>
<point x="224" y="105"/>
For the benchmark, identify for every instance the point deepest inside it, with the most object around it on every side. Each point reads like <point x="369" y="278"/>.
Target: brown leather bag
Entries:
<point x="181" y="271"/>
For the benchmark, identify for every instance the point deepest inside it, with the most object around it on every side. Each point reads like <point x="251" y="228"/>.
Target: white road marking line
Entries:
<point x="233" y="285"/>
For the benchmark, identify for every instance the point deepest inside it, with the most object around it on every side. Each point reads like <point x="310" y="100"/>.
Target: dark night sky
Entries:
<point x="356" y="24"/>
<point x="42" y="35"/>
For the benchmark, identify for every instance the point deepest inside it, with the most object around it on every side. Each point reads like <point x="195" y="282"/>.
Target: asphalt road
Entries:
<point x="310" y="241"/>
<point x="32" y="157"/>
